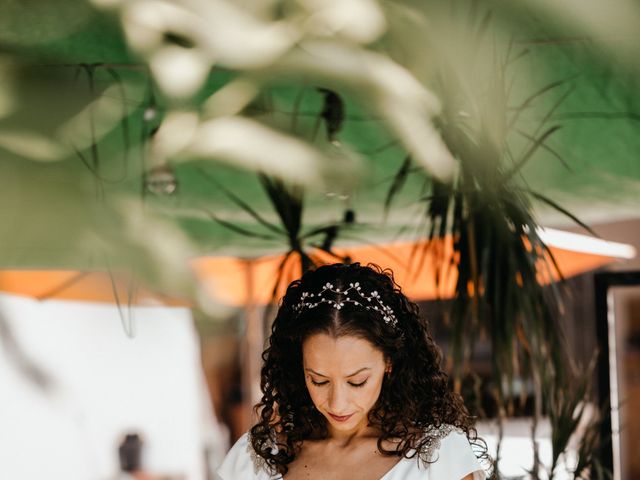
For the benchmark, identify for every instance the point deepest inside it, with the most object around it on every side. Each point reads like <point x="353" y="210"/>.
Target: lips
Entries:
<point x="339" y="418"/>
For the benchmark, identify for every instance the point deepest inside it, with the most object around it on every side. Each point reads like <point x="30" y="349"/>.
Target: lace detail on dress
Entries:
<point x="434" y="437"/>
<point x="259" y="463"/>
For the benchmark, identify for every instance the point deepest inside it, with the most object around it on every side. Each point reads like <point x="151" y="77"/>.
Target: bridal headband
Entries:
<point x="353" y="294"/>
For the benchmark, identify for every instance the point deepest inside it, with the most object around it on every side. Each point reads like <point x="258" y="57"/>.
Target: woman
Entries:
<point x="353" y="389"/>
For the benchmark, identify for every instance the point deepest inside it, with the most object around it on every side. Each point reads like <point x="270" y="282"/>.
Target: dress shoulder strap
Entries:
<point x="434" y="436"/>
<point x="242" y="462"/>
<point x="453" y="457"/>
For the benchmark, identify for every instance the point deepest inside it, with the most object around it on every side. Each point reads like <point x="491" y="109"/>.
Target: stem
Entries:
<point x="537" y="414"/>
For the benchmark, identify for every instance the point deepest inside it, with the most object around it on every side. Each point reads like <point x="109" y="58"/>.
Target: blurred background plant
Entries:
<point x="136" y="135"/>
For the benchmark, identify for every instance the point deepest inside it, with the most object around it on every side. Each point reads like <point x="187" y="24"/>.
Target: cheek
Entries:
<point x="376" y="388"/>
<point x="368" y="395"/>
<point x="316" y="394"/>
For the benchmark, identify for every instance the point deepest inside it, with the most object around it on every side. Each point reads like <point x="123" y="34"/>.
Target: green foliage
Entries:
<point x="469" y="97"/>
<point x="501" y="262"/>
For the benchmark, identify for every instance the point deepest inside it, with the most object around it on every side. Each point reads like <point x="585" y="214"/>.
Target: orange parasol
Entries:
<point x="238" y="282"/>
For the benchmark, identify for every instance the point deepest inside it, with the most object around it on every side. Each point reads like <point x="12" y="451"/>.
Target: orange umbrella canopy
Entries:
<point x="237" y="282"/>
<point x="101" y="287"/>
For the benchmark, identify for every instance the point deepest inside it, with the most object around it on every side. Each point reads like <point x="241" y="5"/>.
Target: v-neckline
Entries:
<point x="383" y="477"/>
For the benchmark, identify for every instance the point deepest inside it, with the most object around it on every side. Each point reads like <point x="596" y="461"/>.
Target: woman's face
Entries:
<point x="344" y="378"/>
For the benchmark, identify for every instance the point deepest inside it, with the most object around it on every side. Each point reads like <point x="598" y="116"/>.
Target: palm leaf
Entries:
<point x="287" y="204"/>
<point x="527" y="101"/>
<point x="22" y="360"/>
<point x="548" y="149"/>
<point x="126" y="139"/>
<point x="238" y="229"/>
<point x="399" y="179"/>
<point x="242" y="204"/>
<point x="535" y="144"/>
<point x="564" y="211"/>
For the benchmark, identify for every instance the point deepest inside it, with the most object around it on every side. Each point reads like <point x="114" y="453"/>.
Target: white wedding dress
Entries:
<point x="454" y="459"/>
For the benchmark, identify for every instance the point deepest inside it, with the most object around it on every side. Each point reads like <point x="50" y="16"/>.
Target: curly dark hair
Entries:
<point x="414" y="399"/>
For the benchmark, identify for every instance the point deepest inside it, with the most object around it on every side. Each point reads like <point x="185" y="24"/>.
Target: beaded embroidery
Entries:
<point x="369" y="302"/>
<point x="259" y="463"/>
<point x="434" y="437"/>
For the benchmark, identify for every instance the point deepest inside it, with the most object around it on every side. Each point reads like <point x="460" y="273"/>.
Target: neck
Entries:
<point x="345" y="437"/>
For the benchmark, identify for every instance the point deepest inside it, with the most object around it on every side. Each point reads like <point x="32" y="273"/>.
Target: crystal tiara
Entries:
<point x="369" y="302"/>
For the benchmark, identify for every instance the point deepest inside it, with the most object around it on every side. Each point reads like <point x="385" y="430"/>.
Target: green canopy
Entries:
<point x="62" y="56"/>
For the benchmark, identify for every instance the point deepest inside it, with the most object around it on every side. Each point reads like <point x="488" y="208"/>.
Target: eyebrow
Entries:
<point x="348" y="376"/>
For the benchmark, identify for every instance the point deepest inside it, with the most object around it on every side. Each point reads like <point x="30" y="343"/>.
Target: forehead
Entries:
<point x="342" y="355"/>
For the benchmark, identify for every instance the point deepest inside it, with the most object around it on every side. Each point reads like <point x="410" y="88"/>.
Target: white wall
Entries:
<point x="105" y="384"/>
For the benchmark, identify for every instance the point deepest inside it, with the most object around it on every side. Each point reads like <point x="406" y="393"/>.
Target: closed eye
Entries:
<point x="325" y="382"/>
<point x="358" y="385"/>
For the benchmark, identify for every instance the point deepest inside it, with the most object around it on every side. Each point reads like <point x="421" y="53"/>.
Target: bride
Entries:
<point x="353" y="389"/>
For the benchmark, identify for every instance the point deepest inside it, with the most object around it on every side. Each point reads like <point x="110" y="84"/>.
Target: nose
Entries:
<point x="338" y="401"/>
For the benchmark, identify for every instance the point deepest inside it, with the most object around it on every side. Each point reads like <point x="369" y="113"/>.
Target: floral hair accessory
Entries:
<point x="352" y="294"/>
